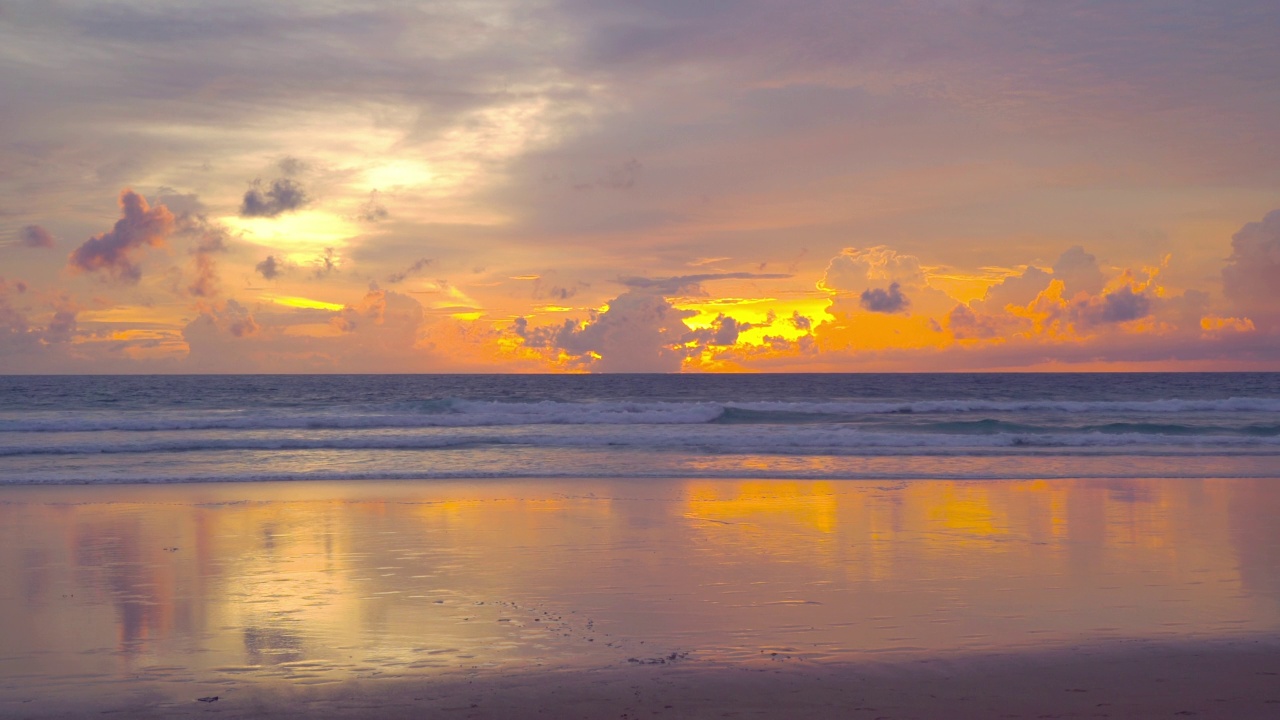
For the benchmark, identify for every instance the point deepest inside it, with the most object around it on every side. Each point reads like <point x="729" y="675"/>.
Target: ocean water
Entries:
<point x="162" y="429"/>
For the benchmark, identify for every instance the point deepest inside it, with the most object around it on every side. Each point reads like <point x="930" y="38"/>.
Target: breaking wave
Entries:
<point x="459" y="413"/>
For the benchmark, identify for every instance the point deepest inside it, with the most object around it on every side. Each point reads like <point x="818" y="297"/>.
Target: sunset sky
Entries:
<point x="597" y="185"/>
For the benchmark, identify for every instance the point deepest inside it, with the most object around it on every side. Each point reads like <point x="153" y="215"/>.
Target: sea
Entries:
<point x="185" y="429"/>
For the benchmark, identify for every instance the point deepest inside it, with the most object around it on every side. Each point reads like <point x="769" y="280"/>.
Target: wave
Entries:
<point x="988" y="426"/>
<point x="1172" y="405"/>
<point x="986" y="473"/>
<point x="460" y="413"/>
<point x="829" y="440"/>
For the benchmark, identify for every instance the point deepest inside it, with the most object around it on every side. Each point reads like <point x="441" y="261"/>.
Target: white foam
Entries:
<point x="713" y="439"/>
<point x="470" y="413"/>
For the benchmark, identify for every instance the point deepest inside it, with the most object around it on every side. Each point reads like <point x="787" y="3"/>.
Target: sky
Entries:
<point x="659" y="186"/>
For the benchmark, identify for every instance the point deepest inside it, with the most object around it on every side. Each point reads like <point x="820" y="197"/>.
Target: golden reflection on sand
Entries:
<point x="315" y="583"/>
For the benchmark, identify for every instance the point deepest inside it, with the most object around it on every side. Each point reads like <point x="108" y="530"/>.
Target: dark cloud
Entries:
<point x="1123" y="305"/>
<point x="326" y="264"/>
<point x="889" y="300"/>
<point x="34" y="236"/>
<point x="416" y="267"/>
<point x="270" y="268"/>
<point x="373" y="211"/>
<point x="291" y="166"/>
<point x="115" y="251"/>
<point x="283" y="195"/>
<point x="542" y="289"/>
<point x="724" y="331"/>
<point x="685" y="283"/>
<point x="801" y="322"/>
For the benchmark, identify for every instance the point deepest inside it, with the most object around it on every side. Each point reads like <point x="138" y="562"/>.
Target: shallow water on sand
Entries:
<point x="204" y="588"/>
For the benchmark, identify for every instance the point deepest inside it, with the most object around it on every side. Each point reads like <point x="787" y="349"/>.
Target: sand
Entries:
<point x="1238" y="680"/>
<point x="644" y="598"/>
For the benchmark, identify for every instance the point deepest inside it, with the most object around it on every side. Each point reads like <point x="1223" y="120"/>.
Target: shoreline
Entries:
<point x="1231" y="679"/>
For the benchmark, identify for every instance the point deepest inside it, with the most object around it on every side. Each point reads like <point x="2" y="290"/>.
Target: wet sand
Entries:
<point x="643" y="598"/>
<point x="1237" y="681"/>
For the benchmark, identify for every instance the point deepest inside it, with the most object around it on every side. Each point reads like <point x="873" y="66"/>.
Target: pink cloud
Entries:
<point x="117" y="251"/>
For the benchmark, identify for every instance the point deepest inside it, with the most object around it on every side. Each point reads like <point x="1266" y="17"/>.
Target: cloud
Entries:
<point x="686" y="283"/>
<point x="417" y="265"/>
<point x="1071" y="303"/>
<point x="640" y="332"/>
<point x="889" y="300"/>
<point x="370" y="310"/>
<point x="34" y="236"/>
<point x="724" y="331"/>
<point x="853" y="270"/>
<point x="270" y="268"/>
<point x="373" y="211"/>
<point x="557" y="292"/>
<point x="801" y="322"/>
<point x="227" y="318"/>
<point x="1018" y="289"/>
<point x="205" y="281"/>
<point x="746" y="157"/>
<point x="291" y="166"/>
<point x="1251" y="277"/>
<point x="26" y="345"/>
<point x="179" y="203"/>
<point x="326" y="264"/>
<point x="1079" y="272"/>
<point x="544" y="289"/>
<point x="62" y="325"/>
<point x="1216" y="324"/>
<point x="1117" y="306"/>
<point x="620" y="177"/>
<point x="210" y="242"/>
<point x="880" y="280"/>
<point x="381" y="332"/>
<point x="18" y="338"/>
<point x="965" y="324"/>
<point x="284" y="195"/>
<point x="115" y="252"/>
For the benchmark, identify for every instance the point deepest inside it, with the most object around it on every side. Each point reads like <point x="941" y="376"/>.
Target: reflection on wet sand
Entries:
<point x="316" y="583"/>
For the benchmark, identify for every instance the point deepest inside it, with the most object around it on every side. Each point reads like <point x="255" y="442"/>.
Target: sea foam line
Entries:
<point x="807" y="440"/>
<point x="670" y="474"/>
<point x="475" y="413"/>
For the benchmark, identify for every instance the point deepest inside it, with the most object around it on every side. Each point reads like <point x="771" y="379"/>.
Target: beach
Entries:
<point x="643" y="597"/>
